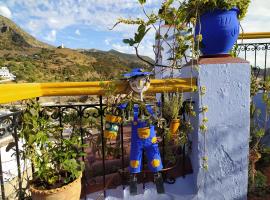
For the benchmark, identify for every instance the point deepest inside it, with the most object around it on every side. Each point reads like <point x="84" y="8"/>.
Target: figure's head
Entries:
<point x="139" y="80"/>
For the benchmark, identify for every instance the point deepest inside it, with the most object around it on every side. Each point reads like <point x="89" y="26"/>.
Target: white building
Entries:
<point x="6" y="74"/>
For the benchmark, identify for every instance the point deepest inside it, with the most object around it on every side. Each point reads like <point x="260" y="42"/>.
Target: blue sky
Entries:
<point x="86" y="23"/>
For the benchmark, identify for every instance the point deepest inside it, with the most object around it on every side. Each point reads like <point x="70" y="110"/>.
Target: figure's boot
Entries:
<point x="158" y="180"/>
<point x="133" y="184"/>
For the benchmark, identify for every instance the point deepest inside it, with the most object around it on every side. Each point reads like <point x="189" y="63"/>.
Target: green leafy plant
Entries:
<point x="56" y="160"/>
<point x="260" y="180"/>
<point x="171" y="106"/>
<point x="191" y="9"/>
<point x="112" y="99"/>
<point x="180" y="18"/>
<point x="257" y="181"/>
<point x="168" y="14"/>
<point x="258" y="186"/>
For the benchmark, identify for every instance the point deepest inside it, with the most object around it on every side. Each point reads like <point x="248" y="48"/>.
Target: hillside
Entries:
<point x="34" y="61"/>
<point x="112" y="63"/>
<point x="13" y="37"/>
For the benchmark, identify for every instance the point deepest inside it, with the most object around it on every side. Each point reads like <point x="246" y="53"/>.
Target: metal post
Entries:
<point x="255" y="55"/>
<point x="163" y="129"/>
<point x="81" y="129"/>
<point x="143" y="168"/>
<point x="103" y="145"/>
<point x="122" y="152"/>
<point x="265" y="62"/>
<point x="184" y="160"/>
<point x="60" y="121"/>
<point x="82" y="143"/>
<point x="2" y="179"/>
<point x="14" y="123"/>
<point x="245" y="48"/>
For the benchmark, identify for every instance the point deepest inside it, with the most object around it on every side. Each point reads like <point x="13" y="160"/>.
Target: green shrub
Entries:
<point x="55" y="159"/>
<point x="259" y="186"/>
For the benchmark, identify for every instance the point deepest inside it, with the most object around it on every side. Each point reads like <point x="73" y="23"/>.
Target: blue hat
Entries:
<point x="137" y="72"/>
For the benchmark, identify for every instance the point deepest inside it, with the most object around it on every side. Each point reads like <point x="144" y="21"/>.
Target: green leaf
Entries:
<point x="126" y="41"/>
<point x="130" y="41"/>
<point x="141" y="33"/>
<point x="31" y="139"/>
<point x="141" y="29"/>
<point x="10" y="146"/>
<point x="142" y="1"/>
<point x="158" y="36"/>
<point x="260" y="133"/>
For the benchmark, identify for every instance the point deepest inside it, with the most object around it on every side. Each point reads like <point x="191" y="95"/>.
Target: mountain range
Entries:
<point x="35" y="61"/>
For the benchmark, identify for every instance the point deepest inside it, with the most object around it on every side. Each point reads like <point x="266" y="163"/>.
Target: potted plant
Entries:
<point x="216" y="22"/>
<point x="112" y="114"/>
<point x="170" y="111"/>
<point x="112" y="125"/>
<point x="56" y="161"/>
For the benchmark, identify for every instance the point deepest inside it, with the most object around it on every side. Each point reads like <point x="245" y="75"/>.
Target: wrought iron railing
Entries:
<point x="15" y="92"/>
<point x="254" y="48"/>
<point x="88" y="120"/>
<point x="257" y="54"/>
<point x="9" y="126"/>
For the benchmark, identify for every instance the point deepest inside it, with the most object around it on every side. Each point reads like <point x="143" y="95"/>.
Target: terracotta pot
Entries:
<point x="112" y="126"/>
<point x="72" y="191"/>
<point x="174" y="126"/>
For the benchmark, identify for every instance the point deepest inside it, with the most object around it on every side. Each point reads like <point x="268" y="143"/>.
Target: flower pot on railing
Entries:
<point x="174" y="126"/>
<point x="219" y="30"/>
<point x="112" y="126"/>
<point x="72" y="191"/>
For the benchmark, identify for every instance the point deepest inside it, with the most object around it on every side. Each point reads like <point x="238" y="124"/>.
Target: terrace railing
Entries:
<point x="254" y="48"/>
<point x="82" y="117"/>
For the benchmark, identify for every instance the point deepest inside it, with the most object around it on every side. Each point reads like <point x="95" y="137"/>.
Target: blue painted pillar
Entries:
<point x="226" y="142"/>
<point x="226" y="82"/>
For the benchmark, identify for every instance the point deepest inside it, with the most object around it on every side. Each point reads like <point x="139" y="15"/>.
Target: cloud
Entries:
<point x="64" y="13"/>
<point x="77" y="32"/>
<point x="39" y="16"/>
<point x="257" y="18"/>
<point x="123" y="48"/>
<point x="5" y="11"/>
<point x="146" y="48"/>
<point x="108" y="41"/>
<point x="51" y="37"/>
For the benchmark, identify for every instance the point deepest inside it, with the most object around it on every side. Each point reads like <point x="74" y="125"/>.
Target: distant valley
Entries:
<point x="34" y="61"/>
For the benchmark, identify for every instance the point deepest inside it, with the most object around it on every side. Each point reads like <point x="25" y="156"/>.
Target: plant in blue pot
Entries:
<point x="199" y="27"/>
<point x="216" y="23"/>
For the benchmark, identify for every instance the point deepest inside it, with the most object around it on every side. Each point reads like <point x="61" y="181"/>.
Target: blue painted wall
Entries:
<point x="227" y="138"/>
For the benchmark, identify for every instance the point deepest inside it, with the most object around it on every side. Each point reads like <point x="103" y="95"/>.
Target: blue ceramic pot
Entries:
<point x="219" y="29"/>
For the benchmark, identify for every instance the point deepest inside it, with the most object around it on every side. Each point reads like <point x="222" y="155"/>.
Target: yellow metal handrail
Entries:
<point x="256" y="35"/>
<point x="15" y="92"/>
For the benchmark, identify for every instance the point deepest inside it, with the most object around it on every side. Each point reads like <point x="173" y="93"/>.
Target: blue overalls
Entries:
<point x="143" y="138"/>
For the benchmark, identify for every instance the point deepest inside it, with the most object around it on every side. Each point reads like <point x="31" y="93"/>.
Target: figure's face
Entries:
<point x="140" y="84"/>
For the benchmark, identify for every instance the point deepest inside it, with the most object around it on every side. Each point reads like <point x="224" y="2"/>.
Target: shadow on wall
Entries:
<point x="227" y="159"/>
<point x="260" y="120"/>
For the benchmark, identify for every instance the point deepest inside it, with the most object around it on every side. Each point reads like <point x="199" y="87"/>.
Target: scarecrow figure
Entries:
<point x="143" y="135"/>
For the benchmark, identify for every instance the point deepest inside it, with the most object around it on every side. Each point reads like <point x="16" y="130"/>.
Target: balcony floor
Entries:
<point x="182" y="189"/>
